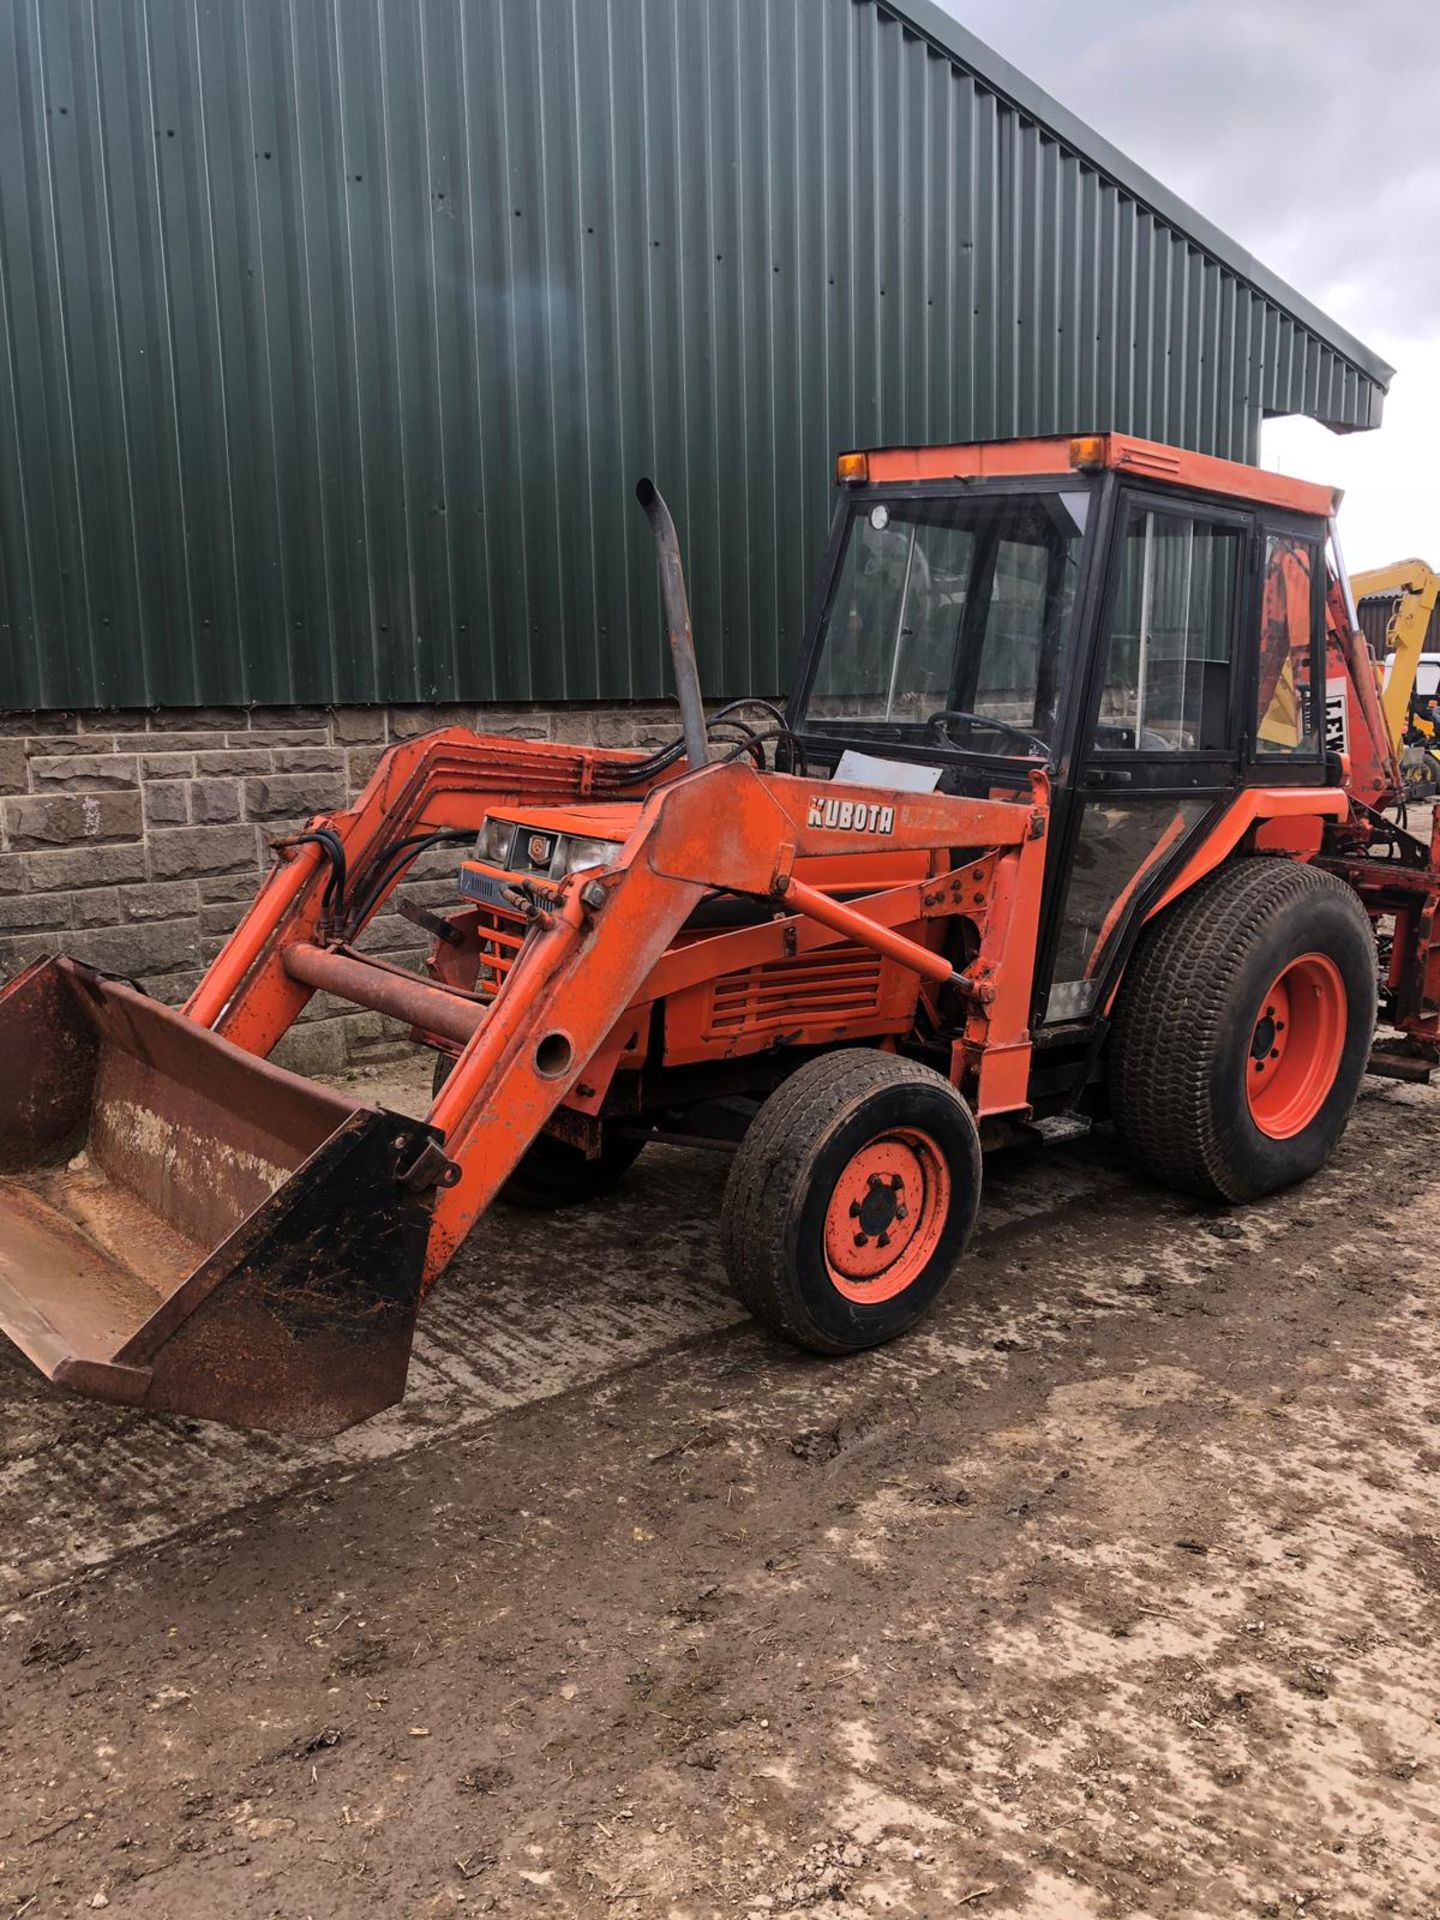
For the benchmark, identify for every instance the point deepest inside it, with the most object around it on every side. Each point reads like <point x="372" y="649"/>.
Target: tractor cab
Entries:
<point x="1064" y="600"/>
<point x="1148" y="626"/>
<point x="1150" y="630"/>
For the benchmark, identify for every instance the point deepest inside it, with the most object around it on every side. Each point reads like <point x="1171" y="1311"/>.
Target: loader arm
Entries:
<point x="441" y="782"/>
<point x="723" y="827"/>
<point x="188" y="1228"/>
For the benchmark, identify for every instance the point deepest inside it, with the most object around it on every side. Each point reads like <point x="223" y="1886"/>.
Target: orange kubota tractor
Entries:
<point x="1076" y="810"/>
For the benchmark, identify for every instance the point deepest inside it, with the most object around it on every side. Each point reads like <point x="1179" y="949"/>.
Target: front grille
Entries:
<point x="501" y="937"/>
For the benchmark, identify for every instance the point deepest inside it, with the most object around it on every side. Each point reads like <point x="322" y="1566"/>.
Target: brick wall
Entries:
<point x="134" y="841"/>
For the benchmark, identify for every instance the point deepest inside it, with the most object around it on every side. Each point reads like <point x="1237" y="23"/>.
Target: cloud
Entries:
<point x="1291" y="125"/>
<point x="1391" y="479"/>
<point x="1299" y="127"/>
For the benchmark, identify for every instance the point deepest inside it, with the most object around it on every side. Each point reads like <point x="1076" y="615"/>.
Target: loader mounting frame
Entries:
<point x="594" y="945"/>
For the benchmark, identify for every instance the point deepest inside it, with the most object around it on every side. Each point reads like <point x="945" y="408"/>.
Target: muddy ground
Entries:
<point x="1114" y="1591"/>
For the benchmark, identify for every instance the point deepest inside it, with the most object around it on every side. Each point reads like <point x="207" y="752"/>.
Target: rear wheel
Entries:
<point x="1243" y="1029"/>
<point x="850" y="1200"/>
<point x="552" y="1173"/>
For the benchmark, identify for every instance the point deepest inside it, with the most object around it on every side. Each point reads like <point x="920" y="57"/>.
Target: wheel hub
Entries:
<point x="883" y="1205"/>
<point x="1296" y="1045"/>
<point x="1266" y="1033"/>
<point x="886" y="1214"/>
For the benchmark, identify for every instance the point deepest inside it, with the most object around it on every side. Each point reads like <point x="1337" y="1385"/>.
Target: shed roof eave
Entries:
<point x="934" y="23"/>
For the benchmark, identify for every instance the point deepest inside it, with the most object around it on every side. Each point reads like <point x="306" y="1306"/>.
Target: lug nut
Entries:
<point x="862" y="1239"/>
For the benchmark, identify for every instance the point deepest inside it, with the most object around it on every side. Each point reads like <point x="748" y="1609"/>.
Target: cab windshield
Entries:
<point x="949" y="620"/>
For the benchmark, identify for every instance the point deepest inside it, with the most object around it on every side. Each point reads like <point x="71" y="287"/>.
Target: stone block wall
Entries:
<point x="135" y="841"/>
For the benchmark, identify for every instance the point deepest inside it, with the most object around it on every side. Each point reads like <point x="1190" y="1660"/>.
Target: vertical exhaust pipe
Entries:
<point x="677" y="622"/>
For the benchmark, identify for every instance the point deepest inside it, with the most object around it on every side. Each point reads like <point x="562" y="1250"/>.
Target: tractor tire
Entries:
<point x="554" y="1174"/>
<point x="851" y="1200"/>
<point x="1243" y="1029"/>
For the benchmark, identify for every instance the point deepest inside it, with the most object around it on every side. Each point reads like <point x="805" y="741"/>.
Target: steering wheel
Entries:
<point x="1036" y="748"/>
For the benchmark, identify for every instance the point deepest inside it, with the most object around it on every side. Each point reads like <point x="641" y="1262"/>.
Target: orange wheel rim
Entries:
<point x="1296" y="1042"/>
<point x="886" y="1214"/>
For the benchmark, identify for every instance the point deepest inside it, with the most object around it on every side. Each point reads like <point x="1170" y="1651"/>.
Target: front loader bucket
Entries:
<point x="187" y="1228"/>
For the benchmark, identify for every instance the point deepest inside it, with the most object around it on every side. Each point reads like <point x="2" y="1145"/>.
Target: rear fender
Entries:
<point x="1278" y="814"/>
<point x="1286" y="821"/>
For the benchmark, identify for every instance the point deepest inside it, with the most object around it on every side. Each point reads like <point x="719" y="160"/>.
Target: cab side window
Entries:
<point x="1287" y="714"/>
<point x="1170" y="651"/>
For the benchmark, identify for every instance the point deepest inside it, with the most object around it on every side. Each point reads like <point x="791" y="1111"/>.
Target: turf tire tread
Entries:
<point x="1172" y="1011"/>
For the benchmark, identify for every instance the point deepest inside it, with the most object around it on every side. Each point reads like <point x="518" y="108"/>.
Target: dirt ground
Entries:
<point x="1114" y="1591"/>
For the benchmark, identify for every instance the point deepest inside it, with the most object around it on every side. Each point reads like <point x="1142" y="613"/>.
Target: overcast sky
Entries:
<point x="1300" y="127"/>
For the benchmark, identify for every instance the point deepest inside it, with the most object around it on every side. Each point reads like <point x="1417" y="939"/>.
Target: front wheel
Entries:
<point x="1243" y="1028"/>
<point x="850" y="1200"/>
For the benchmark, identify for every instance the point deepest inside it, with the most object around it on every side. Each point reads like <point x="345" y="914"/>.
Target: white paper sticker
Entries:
<point x="868" y="770"/>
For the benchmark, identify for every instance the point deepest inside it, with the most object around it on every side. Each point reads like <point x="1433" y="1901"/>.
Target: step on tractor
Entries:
<point x="1080" y="810"/>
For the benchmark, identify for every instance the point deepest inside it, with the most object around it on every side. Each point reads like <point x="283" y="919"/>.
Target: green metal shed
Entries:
<point x="334" y="334"/>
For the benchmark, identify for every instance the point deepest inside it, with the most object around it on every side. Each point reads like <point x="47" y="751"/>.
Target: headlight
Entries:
<point x="494" y="841"/>
<point x="574" y="855"/>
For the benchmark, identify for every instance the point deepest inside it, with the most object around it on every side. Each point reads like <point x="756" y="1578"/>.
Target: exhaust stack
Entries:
<point x="677" y="622"/>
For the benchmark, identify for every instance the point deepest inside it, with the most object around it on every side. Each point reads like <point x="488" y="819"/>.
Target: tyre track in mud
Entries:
<point x="535" y="1306"/>
<point x="1112" y="1591"/>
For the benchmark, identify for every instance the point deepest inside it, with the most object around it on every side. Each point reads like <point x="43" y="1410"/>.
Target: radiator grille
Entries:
<point x="501" y="937"/>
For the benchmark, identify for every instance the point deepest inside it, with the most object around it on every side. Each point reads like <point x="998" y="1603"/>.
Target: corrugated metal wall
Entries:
<point x="335" y="333"/>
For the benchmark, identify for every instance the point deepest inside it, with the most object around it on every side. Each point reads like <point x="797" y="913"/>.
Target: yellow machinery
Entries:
<point x="1412" y="591"/>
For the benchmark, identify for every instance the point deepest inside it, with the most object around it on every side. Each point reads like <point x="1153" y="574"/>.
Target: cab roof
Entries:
<point x="1094" y="452"/>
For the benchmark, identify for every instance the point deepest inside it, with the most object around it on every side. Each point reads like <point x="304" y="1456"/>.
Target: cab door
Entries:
<point x="1159" y="740"/>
